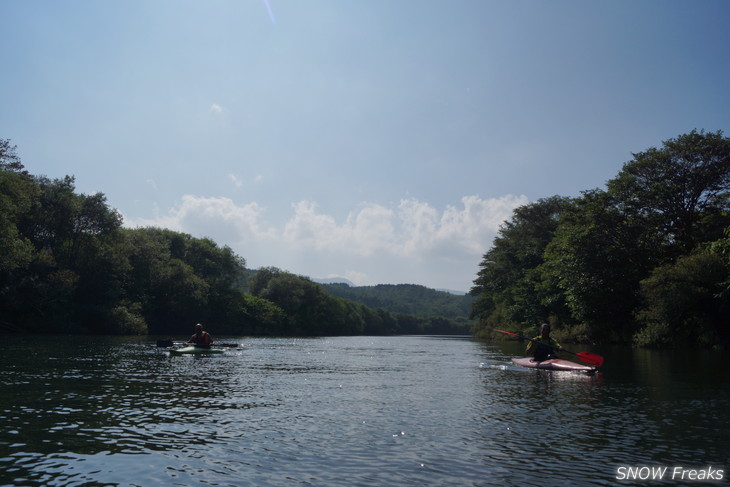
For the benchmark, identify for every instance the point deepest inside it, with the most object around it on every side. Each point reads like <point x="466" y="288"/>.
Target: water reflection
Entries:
<point x="347" y="411"/>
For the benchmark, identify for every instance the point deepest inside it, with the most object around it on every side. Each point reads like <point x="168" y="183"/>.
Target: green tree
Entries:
<point x="721" y="247"/>
<point x="58" y="267"/>
<point x="663" y="205"/>
<point x="304" y="301"/>
<point x="685" y="304"/>
<point x="597" y="258"/>
<point x="77" y="270"/>
<point x="508" y="289"/>
<point x="178" y="279"/>
<point x="9" y="158"/>
<point x="681" y="189"/>
<point x="17" y="194"/>
<point x="249" y="315"/>
<point x="313" y="311"/>
<point x="49" y="223"/>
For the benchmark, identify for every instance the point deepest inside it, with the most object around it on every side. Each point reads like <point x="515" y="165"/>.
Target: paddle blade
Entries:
<point x="590" y="358"/>
<point x="508" y="332"/>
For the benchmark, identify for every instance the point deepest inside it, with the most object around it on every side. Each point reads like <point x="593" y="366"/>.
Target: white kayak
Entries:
<point x="554" y="364"/>
<point x="191" y="350"/>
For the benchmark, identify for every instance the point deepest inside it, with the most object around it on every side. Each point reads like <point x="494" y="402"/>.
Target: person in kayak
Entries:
<point x="201" y="338"/>
<point x="543" y="347"/>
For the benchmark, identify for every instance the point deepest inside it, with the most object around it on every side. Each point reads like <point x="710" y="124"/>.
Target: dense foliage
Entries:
<point x="68" y="266"/>
<point x="314" y="309"/>
<point x="645" y="260"/>
<point x="406" y="298"/>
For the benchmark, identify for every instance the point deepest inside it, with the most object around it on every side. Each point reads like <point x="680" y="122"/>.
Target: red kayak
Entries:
<point x="554" y="364"/>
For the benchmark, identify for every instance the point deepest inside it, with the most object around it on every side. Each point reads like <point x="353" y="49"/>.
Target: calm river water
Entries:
<point x="354" y="411"/>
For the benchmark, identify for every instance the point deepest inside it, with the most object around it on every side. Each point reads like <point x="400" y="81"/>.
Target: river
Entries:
<point x="355" y="411"/>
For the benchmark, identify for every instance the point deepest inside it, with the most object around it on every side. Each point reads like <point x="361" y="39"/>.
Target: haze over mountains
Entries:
<point x="342" y="280"/>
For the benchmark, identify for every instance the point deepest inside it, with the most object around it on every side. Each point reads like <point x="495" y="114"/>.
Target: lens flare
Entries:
<point x="271" y="12"/>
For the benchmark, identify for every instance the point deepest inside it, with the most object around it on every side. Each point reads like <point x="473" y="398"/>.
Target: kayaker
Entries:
<point x="201" y="338"/>
<point x="542" y="347"/>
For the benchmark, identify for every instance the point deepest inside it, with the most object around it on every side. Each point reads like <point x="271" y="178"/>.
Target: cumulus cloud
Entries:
<point x="409" y="242"/>
<point x="364" y="232"/>
<point x="413" y="228"/>
<point x="216" y="108"/>
<point x="217" y="217"/>
<point x="475" y="221"/>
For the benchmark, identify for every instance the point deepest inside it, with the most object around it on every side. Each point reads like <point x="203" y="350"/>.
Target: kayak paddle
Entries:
<point x="587" y="357"/>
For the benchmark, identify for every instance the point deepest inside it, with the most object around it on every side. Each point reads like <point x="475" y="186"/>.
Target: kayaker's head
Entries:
<point x="198" y="328"/>
<point x="545" y="330"/>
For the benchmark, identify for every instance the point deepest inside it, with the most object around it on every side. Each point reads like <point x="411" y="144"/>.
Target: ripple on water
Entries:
<point x="357" y="411"/>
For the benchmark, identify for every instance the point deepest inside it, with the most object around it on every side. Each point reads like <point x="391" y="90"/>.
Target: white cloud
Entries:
<point x="419" y="225"/>
<point x="237" y="182"/>
<point x="363" y="233"/>
<point x="415" y="228"/>
<point x="219" y="218"/>
<point x="478" y="220"/>
<point x="412" y="242"/>
<point x="216" y="108"/>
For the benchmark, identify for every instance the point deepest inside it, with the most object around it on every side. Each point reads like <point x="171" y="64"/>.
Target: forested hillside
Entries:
<point x="406" y="298"/>
<point x="311" y="309"/>
<point x="646" y="260"/>
<point x="68" y="266"/>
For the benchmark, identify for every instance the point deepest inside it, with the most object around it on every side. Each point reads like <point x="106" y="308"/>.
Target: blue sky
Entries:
<point x="383" y="141"/>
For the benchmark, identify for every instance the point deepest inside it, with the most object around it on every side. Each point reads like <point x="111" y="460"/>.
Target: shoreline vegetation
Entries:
<point x="68" y="266"/>
<point x="645" y="261"/>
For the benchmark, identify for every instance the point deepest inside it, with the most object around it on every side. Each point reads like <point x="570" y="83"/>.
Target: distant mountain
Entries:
<point x="334" y="280"/>
<point x="451" y="291"/>
<point x="409" y="299"/>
